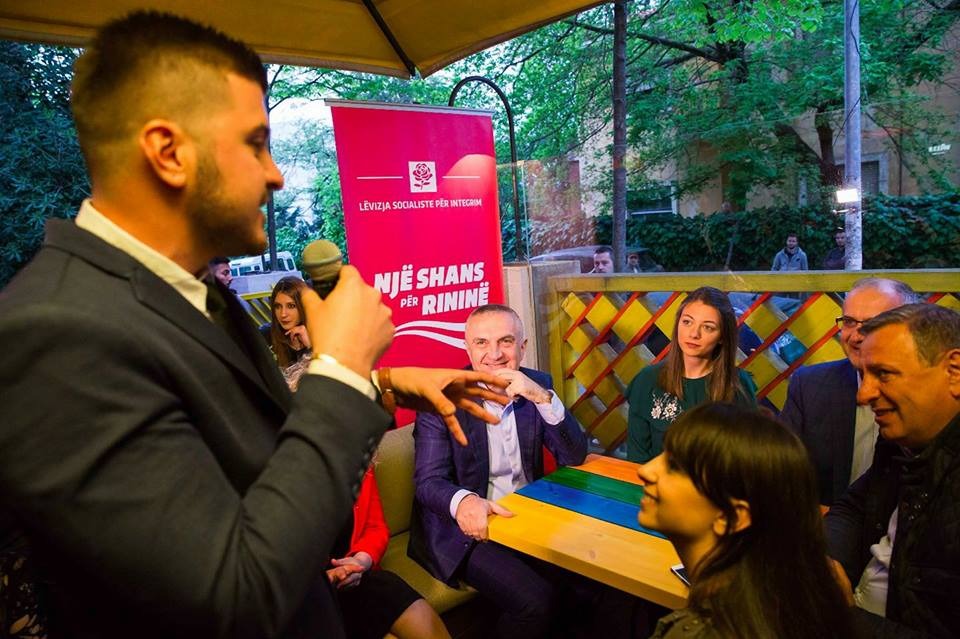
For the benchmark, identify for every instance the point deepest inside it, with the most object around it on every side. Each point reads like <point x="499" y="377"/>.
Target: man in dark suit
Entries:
<point x="149" y="449"/>
<point x="821" y="406"/>
<point x="457" y="488"/>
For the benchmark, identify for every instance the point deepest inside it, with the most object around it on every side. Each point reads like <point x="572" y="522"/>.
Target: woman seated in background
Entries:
<point x="734" y="491"/>
<point x="373" y="602"/>
<point x="700" y="366"/>
<point x="288" y="335"/>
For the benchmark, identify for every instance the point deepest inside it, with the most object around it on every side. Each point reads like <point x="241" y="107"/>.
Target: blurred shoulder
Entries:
<point x="835" y="368"/>
<point x="684" y="624"/>
<point x="647" y="375"/>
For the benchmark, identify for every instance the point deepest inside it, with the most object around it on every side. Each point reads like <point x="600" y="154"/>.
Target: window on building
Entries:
<point x="656" y="197"/>
<point x="869" y="176"/>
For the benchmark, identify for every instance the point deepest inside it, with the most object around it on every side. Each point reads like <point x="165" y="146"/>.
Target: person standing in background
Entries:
<point x="791" y="257"/>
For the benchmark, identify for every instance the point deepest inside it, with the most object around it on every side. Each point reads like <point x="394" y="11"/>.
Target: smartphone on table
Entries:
<point x="681" y="573"/>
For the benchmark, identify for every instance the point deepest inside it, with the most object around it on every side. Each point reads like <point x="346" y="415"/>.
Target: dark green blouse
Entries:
<point x="652" y="410"/>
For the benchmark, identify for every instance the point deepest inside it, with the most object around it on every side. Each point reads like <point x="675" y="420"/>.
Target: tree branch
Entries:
<point x="707" y="54"/>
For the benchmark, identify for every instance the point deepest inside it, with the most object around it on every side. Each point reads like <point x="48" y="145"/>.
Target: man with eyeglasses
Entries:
<point x="821" y="406"/>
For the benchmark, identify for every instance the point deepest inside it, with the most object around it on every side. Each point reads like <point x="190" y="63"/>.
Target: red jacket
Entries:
<point x="370" y="532"/>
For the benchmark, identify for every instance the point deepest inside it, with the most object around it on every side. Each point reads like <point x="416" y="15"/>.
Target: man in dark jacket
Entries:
<point x="169" y="484"/>
<point x="821" y="406"/>
<point x="457" y="487"/>
<point x="895" y="533"/>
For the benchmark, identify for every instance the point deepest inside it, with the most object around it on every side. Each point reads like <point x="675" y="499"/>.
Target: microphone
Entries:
<point x="322" y="261"/>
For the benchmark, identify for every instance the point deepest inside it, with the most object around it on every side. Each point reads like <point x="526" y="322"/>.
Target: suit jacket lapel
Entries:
<point x="526" y="417"/>
<point x="154" y="293"/>
<point x="846" y="424"/>
<point x="261" y="356"/>
<point x="161" y="298"/>
<point x="477" y="441"/>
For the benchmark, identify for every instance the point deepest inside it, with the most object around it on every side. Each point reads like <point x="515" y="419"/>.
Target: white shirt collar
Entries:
<point x="93" y="221"/>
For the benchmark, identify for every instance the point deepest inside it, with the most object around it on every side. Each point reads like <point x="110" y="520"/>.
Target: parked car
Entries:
<point x="584" y="255"/>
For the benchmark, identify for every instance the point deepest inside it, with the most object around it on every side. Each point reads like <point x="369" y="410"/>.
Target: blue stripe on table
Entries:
<point x="608" y="510"/>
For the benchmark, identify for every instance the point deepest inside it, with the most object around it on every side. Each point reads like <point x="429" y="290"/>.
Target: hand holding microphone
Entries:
<point x="351" y="324"/>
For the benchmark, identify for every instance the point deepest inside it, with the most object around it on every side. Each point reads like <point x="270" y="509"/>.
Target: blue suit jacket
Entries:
<point x="821" y="408"/>
<point x="442" y="467"/>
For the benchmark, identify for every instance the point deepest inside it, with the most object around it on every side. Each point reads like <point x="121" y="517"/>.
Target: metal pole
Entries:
<point x="619" y="98"/>
<point x="271" y="233"/>
<point x="853" y="221"/>
<point x="519" y="242"/>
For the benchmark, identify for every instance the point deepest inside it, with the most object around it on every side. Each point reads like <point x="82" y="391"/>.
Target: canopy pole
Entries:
<point x="388" y="34"/>
<point x="519" y="243"/>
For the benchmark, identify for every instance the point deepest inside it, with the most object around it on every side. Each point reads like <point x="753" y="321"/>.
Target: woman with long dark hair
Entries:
<point x="700" y="366"/>
<point x="735" y="493"/>
<point x="373" y="602"/>
<point x="288" y="335"/>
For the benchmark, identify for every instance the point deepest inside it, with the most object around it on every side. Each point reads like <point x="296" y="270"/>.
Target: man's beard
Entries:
<point x="217" y="222"/>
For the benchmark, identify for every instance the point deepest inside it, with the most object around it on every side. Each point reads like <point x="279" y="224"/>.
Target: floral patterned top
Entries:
<point x="652" y="410"/>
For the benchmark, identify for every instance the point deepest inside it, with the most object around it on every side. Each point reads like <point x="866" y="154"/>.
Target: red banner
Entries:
<point x="419" y="187"/>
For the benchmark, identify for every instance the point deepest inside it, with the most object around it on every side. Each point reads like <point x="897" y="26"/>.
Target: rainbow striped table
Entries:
<point x="584" y="519"/>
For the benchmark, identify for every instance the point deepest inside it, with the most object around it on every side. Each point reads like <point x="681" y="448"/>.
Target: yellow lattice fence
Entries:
<point x="604" y="329"/>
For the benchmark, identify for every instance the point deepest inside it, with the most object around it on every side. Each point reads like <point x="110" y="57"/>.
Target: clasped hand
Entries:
<point x="519" y="385"/>
<point x="347" y="571"/>
<point x="472" y="513"/>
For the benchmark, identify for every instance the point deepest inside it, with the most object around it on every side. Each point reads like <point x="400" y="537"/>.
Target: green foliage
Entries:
<point x="41" y="171"/>
<point x="724" y="92"/>
<point x="898" y="232"/>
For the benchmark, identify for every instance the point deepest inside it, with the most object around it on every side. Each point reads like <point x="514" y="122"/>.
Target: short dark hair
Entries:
<point x="935" y="329"/>
<point x="603" y="249"/>
<point x="789" y="235"/>
<point x="217" y="261"/>
<point x="496" y="308"/>
<point x="150" y="64"/>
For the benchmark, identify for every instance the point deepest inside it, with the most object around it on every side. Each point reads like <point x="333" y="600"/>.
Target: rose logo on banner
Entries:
<point x="423" y="177"/>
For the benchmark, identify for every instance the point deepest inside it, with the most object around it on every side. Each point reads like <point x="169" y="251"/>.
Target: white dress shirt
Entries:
<point x="865" y="433"/>
<point x="503" y="447"/>
<point x="189" y="286"/>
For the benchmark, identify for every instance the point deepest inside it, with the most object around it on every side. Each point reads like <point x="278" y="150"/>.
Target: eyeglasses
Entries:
<point x="849" y="323"/>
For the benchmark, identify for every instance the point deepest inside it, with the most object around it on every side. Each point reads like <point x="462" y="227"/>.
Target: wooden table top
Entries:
<point x="620" y="557"/>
